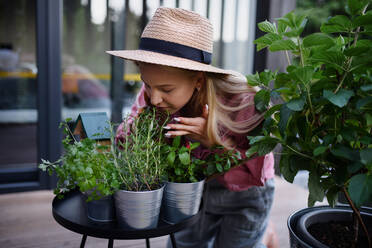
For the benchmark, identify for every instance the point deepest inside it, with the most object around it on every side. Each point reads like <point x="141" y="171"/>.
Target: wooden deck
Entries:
<point x="26" y="221"/>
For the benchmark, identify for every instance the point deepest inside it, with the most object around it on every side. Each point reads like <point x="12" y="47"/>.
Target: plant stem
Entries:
<point x="351" y="58"/>
<point x="356" y="211"/>
<point x="299" y="153"/>
<point x="287" y="56"/>
<point x="301" y="54"/>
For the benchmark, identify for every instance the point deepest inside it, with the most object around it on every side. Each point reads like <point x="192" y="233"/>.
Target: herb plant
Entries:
<point x="182" y="166"/>
<point x="323" y="119"/>
<point x="85" y="165"/>
<point x="222" y="160"/>
<point x="140" y="161"/>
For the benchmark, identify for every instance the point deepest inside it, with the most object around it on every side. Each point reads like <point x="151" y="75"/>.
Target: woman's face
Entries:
<point x="169" y="88"/>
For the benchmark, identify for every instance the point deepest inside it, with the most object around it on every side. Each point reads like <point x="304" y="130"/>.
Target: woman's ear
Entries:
<point x="200" y="80"/>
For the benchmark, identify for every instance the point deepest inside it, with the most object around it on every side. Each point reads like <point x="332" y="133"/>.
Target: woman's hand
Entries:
<point x="193" y="128"/>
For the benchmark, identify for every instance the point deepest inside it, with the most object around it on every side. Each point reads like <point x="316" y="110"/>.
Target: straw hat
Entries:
<point x="177" y="38"/>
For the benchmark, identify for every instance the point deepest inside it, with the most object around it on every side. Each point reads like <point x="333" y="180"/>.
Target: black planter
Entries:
<point x="101" y="210"/>
<point x="300" y="220"/>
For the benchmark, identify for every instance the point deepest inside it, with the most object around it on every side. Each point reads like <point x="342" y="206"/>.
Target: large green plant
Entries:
<point x="324" y="116"/>
<point x="86" y="165"/>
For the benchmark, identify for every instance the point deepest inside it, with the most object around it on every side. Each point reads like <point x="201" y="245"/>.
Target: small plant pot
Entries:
<point x="138" y="210"/>
<point x="101" y="210"/>
<point x="299" y="222"/>
<point x="181" y="200"/>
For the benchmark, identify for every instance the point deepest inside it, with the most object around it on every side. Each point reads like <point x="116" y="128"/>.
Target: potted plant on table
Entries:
<point x="324" y="119"/>
<point x="141" y="168"/>
<point x="185" y="181"/>
<point x="87" y="166"/>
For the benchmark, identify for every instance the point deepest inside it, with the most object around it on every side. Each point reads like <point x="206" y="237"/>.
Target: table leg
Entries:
<point x="111" y="243"/>
<point x="174" y="245"/>
<point x="82" y="244"/>
<point x="147" y="243"/>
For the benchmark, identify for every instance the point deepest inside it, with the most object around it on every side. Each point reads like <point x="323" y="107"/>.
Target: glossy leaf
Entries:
<point x="281" y="45"/>
<point x="267" y="27"/>
<point x="296" y="104"/>
<point x="261" y="100"/>
<point x="318" y="39"/>
<point x="339" y="99"/>
<point x="360" y="188"/>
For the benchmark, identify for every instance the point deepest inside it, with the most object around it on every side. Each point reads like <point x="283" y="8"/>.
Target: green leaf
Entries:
<point x="360" y="189"/>
<point x="286" y="170"/>
<point x="227" y="165"/>
<point x="272" y="110"/>
<point x="356" y="51"/>
<point x="362" y="20"/>
<point x="261" y="100"/>
<point x="253" y="80"/>
<point x="266" y="77"/>
<point x="366" y="156"/>
<point x="178" y="171"/>
<point x="252" y="150"/>
<point x="336" y="24"/>
<point x="171" y="157"/>
<point x="304" y="74"/>
<point x="354" y="167"/>
<point x="194" y="145"/>
<point x="285" y="114"/>
<point x="332" y="195"/>
<point x="89" y="171"/>
<point x="176" y="141"/>
<point x="296" y="104"/>
<point x="345" y="152"/>
<point x="318" y="39"/>
<point x="340" y="99"/>
<point x="280" y="45"/>
<point x="366" y="87"/>
<point x="211" y="169"/>
<point x="363" y="102"/>
<point x="219" y="167"/>
<point x="184" y="158"/>
<point x="267" y="27"/>
<point x="320" y="150"/>
<point x="316" y="192"/>
<point x="266" y="40"/>
<point x="356" y="6"/>
<point x="331" y="58"/>
<point x="282" y="26"/>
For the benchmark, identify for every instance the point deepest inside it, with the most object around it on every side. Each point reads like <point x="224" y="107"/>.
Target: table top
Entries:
<point x="70" y="212"/>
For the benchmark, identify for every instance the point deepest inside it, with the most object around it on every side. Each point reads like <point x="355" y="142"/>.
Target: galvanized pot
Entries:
<point x="138" y="210"/>
<point x="101" y="210"/>
<point x="181" y="200"/>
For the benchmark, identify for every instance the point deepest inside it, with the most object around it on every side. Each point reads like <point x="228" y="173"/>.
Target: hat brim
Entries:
<point x="168" y="60"/>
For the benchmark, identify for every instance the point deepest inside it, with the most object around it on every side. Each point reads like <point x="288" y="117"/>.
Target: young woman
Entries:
<point x="214" y="107"/>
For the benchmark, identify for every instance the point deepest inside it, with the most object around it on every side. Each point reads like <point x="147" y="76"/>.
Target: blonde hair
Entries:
<point x="228" y="95"/>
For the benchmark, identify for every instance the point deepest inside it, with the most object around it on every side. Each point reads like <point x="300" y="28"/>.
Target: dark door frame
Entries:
<point x="49" y="100"/>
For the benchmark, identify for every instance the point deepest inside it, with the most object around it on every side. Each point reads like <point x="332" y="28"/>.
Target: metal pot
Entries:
<point x="138" y="210"/>
<point x="181" y="200"/>
<point x="101" y="210"/>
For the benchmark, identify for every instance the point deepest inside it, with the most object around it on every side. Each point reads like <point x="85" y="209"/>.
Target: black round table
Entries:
<point x="70" y="212"/>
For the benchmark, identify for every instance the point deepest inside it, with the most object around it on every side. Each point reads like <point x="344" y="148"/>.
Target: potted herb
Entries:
<point x="87" y="166"/>
<point x="141" y="168"/>
<point x="185" y="181"/>
<point x="323" y="119"/>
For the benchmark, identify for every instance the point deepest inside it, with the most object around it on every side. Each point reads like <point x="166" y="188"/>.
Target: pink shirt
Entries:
<point x="254" y="172"/>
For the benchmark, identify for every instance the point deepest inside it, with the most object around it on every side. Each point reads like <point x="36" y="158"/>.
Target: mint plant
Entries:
<point x="323" y="119"/>
<point x="182" y="167"/>
<point x="85" y="165"/>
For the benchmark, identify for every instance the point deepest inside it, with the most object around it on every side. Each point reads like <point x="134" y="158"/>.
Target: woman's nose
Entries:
<point x="156" y="98"/>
